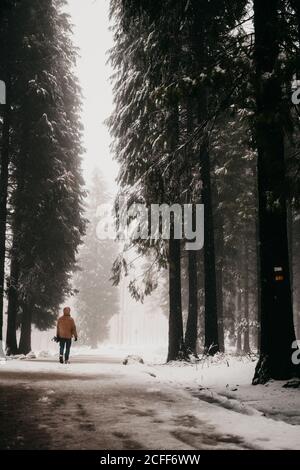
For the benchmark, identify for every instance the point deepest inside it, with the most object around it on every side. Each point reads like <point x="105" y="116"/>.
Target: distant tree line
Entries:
<point x="97" y="300"/>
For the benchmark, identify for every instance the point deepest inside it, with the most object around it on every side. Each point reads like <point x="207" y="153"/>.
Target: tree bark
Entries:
<point x="258" y="293"/>
<point x="277" y="329"/>
<point x="290" y="225"/>
<point x="191" y="333"/>
<point x="246" y="338"/>
<point x="176" y="348"/>
<point x="296" y="270"/>
<point x="176" y="344"/>
<point x="211" y="343"/>
<point x="12" y="311"/>
<point x="219" y="279"/>
<point x="25" y="338"/>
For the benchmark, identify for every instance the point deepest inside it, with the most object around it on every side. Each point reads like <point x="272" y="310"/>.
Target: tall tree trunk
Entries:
<point x="211" y="342"/>
<point x="258" y="290"/>
<point x="12" y="311"/>
<point x="176" y="344"/>
<point x="246" y="343"/>
<point x="25" y="338"/>
<point x="219" y="278"/>
<point x="290" y="224"/>
<point x="238" y="317"/>
<point x="191" y="333"/>
<point x="3" y="198"/>
<point x="277" y="328"/>
<point x="4" y="164"/>
<point x="296" y="270"/>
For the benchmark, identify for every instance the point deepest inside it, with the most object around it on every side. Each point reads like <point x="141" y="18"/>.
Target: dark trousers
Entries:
<point x="65" y="343"/>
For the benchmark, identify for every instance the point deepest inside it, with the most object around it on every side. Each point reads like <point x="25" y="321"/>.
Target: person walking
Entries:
<point x="65" y="331"/>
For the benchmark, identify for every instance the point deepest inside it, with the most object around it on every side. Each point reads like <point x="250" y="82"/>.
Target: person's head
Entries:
<point x="67" y="311"/>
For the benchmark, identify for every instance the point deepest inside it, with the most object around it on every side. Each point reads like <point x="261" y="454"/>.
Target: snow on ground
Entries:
<point x="96" y="402"/>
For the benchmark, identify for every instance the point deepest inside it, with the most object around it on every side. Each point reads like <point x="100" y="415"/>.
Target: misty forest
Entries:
<point x="204" y="111"/>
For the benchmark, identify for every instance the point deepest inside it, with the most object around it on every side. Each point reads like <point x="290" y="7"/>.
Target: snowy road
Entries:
<point x="97" y="403"/>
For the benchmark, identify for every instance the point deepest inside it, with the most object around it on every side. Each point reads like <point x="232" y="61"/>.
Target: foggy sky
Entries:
<point x="93" y="38"/>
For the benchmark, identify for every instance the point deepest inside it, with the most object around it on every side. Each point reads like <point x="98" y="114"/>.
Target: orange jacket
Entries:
<point x="66" y="327"/>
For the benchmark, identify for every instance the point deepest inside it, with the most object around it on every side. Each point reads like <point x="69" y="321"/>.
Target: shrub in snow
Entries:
<point x="132" y="359"/>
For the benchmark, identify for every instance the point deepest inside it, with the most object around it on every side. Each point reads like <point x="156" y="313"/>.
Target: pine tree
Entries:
<point x="277" y="329"/>
<point x="169" y="50"/>
<point x="47" y="220"/>
<point x="147" y="162"/>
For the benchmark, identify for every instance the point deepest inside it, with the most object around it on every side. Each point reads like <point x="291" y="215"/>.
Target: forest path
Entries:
<point x="97" y="403"/>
